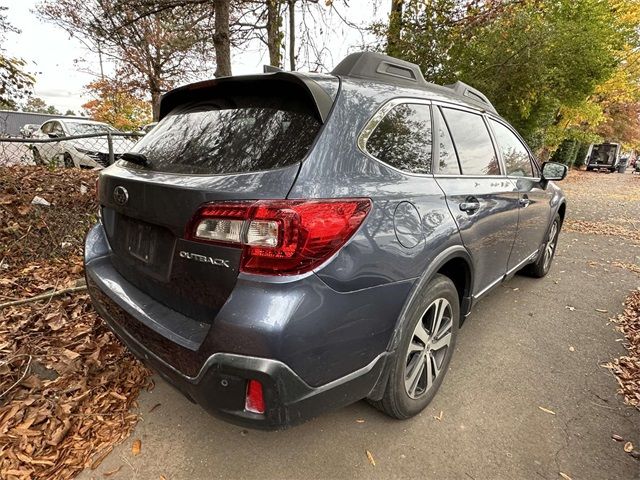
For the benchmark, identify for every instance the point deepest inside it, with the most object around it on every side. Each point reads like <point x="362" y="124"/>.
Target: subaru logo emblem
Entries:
<point x="120" y="195"/>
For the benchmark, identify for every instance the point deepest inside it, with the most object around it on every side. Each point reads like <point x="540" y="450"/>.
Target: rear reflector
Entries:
<point x="280" y="237"/>
<point x="254" y="401"/>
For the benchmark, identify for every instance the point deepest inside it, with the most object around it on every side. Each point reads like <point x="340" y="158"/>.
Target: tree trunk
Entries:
<point x="274" y="36"/>
<point x="395" y="27"/>
<point x="221" y="39"/>
<point x="155" y="103"/>
<point x="292" y="34"/>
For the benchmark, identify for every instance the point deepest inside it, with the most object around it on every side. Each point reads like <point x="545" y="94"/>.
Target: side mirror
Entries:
<point x="553" y="171"/>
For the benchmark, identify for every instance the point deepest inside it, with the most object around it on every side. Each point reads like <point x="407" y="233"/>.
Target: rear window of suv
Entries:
<point x="218" y="138"/>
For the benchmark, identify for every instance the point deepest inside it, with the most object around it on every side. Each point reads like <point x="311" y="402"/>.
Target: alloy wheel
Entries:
<point x="550" y="246"/>
<point x="428" y="348"/>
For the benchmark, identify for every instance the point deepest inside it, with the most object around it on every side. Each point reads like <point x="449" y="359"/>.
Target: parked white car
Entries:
<point x="92" y="152"/>
<point x="27" y="130"/>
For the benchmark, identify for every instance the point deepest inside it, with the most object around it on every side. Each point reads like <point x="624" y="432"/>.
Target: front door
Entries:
<point x="534" y="201"/>
<point x="482" y="200"/>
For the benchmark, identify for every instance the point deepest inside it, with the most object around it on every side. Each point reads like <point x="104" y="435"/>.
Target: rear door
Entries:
<point x="483" y="201"/>
<point x="534" y="201"/>
<point x="243" y="144"/>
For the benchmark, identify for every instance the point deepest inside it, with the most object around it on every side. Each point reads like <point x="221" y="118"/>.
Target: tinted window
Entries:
<point x="447" y="158"/>
<point x="403" y="138"/>
<point x="514" y="154"/>
<point x="213" y="138"/>
<point x="473" y="143"/>
<point x="57" y="128"/>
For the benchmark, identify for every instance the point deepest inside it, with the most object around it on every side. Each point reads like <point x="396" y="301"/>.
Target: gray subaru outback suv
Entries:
<point x="283" y="244"/>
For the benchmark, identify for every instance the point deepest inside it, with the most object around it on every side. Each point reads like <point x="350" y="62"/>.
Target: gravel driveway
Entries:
<point x="526" y="396"/>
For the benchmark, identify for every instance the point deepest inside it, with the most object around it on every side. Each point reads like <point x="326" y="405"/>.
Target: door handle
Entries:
<point x="470" y="205"/>
<point x="524" y="202"/>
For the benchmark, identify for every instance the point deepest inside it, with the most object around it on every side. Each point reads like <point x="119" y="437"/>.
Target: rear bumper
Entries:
<point x="221" y="384"/>
<point x="211" y="363"/>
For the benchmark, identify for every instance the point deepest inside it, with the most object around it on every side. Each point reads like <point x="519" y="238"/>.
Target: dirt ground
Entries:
<point x="526" y="395"/>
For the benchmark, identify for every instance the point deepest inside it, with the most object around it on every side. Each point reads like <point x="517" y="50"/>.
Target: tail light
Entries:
<point x="280" y="237"/>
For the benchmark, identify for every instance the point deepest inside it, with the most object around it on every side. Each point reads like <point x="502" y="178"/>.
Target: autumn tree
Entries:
<point x="15" y="83"/>
<point x="38" y="105"/>
<point x="159" y="44"/>
<point x="117" y="103"/>
<point x="533" y="58"/>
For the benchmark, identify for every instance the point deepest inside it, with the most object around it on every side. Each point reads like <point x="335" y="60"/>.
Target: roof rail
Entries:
<point x="468" y="91"/>
<point x="376" y="66"/>
<point x="372" y="65"/>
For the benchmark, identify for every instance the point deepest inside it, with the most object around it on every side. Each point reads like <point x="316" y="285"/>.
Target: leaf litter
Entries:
<point x="627" y="367"/>
<point x="67" y="385"/>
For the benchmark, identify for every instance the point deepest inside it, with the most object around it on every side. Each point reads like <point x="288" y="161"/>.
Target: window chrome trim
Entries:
<point x="482" y="113"/>
<point x="534" y="161"/>
<point x="375" y="120"/>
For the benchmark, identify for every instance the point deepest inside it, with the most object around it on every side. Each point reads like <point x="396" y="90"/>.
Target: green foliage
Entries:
<point x="538" y="61"/>
<point x="38" y="105"/>
<point x="581" y="153"/>
<point x="566" y="152"/>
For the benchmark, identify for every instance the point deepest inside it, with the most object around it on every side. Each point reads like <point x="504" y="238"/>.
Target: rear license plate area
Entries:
<point x="141" y="240"/>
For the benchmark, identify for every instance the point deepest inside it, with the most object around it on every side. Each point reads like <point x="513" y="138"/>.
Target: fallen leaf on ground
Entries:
<point x="112" y="472"/>
<point x="546" y="410"/>
<point x="565" y="476"/>
<point x="155" y="407"/>
<point x="439" y="417"/>
<point x="572" y="349"/>
<point x="601" y="310"/>
<point x="569" y="307"/>
<point x="359" y="420"/>
<point x="628" y="447"/>
<point x="162" y="477"/>
<point x="617" y="438"/>
<point x="136" y="447"/>
<point x="370" y="457"/>
<point x="97" y="459"/>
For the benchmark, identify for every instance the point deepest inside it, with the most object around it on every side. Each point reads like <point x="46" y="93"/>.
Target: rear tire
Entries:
<point x="542" y="265"/>
<point x="68" y="161"/>
<point x="424" y="351"/>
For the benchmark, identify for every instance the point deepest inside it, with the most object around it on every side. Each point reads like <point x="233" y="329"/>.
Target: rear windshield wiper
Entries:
<point x="138" y="158"/>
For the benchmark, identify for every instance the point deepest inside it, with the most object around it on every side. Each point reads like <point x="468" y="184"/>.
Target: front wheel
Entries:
<point x="424" y="351"/>
<point x="543" y="264"/>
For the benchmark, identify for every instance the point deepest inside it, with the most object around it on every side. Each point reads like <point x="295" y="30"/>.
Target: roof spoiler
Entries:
<point x="321" y="102"/>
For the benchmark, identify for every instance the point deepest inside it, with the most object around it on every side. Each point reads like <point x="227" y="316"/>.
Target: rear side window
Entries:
<point x="447" y="158"/>
<point x="473" y="143"/>
<point x="225" y="137"/>
<point x="403" y="138"/>
<point x="514" y="154"/>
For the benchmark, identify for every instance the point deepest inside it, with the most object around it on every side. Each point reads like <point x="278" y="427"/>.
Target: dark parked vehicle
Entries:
<point x="283" y="244"/>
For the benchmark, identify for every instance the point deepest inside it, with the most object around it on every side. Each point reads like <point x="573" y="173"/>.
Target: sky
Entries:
<point x="62" y="66"/>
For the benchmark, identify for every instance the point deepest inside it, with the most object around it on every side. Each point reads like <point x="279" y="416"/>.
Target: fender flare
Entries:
<point x="449" y="253"/>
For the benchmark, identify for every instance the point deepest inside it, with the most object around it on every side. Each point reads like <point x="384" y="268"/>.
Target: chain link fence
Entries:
<point x="97" y="150"/>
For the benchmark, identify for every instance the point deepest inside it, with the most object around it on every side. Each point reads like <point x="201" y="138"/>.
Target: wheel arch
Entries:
<point x="448" y="262"/>
<point x="453" y="262"/>
<point x="562" y="210"/>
